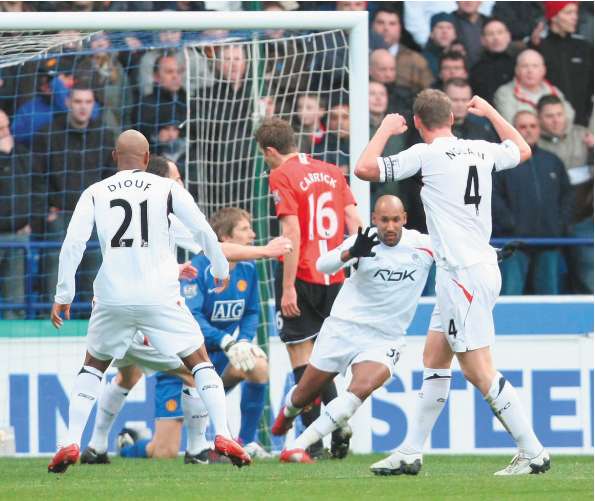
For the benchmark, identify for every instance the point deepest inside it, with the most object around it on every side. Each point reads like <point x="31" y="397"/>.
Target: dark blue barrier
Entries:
<point x="32" y="248"/>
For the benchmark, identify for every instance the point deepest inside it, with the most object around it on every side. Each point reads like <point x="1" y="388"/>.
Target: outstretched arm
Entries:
<point x="367" y="165"/>
<point x="480" y="107"/>
<point x="279" y="246"/>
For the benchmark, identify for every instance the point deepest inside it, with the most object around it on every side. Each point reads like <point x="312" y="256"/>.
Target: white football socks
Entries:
<point x="196" y="419"/>
<point x="110" y="403"/>
<point x="430" y="402"/>
<point x="83" y="397"/>
<point x="290" y="410"/>
<point x="210" y="388"/>
<point x="335" y="414"/>
<point x="505" y="403"/>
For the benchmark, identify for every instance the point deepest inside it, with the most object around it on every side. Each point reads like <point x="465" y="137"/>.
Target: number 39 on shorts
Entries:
<point x="394" y="355"/>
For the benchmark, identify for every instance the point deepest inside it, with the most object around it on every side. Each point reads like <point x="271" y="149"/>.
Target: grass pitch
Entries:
<point x="442" y="477"/>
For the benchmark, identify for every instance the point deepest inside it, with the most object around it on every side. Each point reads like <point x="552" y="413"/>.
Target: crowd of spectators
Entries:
<point x="532" y="60"/>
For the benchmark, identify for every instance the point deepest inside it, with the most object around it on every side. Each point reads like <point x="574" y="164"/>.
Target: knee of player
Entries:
<point x="436" y="354"/>
<point x="478" y="378"/>
<point x="127" y="377"/>
<point x="260" y="373"/>
<point x="362" y="389"/>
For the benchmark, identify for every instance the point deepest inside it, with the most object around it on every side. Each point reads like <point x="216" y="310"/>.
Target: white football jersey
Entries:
<point x="384" y="290"/>
<point x="130" y="210"/>
<point x="182" y="237"/>
<point x="456" y="193"/>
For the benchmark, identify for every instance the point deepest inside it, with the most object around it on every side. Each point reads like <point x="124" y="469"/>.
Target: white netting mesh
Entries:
<point x="234" y="84"/>
<point x="219" y="89"/>
<point x="19" y="47"/>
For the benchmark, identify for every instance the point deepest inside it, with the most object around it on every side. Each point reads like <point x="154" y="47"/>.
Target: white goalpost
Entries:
<point x="354" y="23"/>
<point x="223" y="168"/>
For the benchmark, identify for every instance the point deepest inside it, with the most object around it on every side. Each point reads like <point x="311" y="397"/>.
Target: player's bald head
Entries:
<point x="132" y="142"/>
<point x="389" y="203"/>
<point x="132" y="150"/>
<point x="389" y="217"/>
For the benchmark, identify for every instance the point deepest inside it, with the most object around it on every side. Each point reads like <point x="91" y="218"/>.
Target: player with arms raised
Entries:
<point x="314" y="204"/>
<point x="137" y="286"/>
<point x="457" y="192"/>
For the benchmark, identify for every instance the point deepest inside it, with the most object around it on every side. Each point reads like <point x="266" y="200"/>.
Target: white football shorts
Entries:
<point x="146" y="357"/>
<point x="465" y="299"/>
<point x="340" y="344"/>
<point x="170" y="328"/>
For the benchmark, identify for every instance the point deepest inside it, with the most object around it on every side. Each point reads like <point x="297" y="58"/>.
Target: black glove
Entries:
<point x="508" y="250"/>
<point x="362" y="247"/>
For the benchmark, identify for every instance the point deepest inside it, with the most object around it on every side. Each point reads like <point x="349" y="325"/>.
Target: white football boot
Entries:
<point x="522" y="464"/>
<point x="398" y="463"/>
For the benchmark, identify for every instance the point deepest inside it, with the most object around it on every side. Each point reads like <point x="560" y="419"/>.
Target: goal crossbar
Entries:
<point x="355" y="23"/>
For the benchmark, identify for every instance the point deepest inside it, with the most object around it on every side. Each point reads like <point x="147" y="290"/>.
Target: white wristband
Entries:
<point x="225" y="340"/>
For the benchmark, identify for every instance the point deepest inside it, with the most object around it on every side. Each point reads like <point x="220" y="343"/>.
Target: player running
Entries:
<point x="366" y="328"/>
<point x="314" y="205"/>
<point x="137" y="287"/>
<point x="457" y="193"/>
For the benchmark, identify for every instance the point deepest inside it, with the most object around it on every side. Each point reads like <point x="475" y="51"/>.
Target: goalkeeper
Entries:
<point x="228" y="321"/>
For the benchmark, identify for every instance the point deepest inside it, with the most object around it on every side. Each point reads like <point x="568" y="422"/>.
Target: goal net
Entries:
<point x="66" y="96"/>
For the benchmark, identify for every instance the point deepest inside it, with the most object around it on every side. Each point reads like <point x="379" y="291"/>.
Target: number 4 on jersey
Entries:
<point x="473" y="184"/>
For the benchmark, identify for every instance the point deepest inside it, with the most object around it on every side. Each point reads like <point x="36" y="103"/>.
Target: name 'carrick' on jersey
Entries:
<point x="130" y="210"/>
<point x="457" y="193"/>
<point x="384" y="290"/>
<point x="317" y="193"/>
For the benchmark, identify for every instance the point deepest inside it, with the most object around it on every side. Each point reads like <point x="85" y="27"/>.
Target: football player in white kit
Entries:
<point x="366" y="328"/>
<point x="166" y="438"/>
<point x="137" y="286"/>
<point x="457" y="192"/>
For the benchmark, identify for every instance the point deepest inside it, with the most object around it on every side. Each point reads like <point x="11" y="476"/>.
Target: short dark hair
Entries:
<point x="225" y="220"/>
<point x="456" y="82"/>
<point x="160" y="58"/>
<point x="276" y="133"/>
<point x="158" y="165"/>
<point x="81" y="86"/>
<point x="491" y="20"/>
<point x="388" y="10"/>
<point x="433" y="108"/>
<point x="452" y="55"/>
<point x="547" y="100"/>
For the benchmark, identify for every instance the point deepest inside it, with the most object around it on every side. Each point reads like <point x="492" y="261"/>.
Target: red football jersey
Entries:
<point x="317" y="193"/>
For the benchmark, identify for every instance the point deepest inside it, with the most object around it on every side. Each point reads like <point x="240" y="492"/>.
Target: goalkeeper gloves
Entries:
<point x="362" y="247"/>
<point x="242" y="354"/>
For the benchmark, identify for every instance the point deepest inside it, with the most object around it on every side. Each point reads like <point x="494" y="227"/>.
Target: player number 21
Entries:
<point x="321" y="217"/>
<point x="117" y="240"/>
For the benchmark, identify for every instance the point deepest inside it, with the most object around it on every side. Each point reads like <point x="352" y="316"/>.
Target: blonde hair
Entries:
<point x="226" y="219"/>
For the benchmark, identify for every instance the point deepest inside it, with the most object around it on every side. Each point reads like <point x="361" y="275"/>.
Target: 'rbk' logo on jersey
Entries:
<point x="225" y="311"/>
<point x="395" y="276"/>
